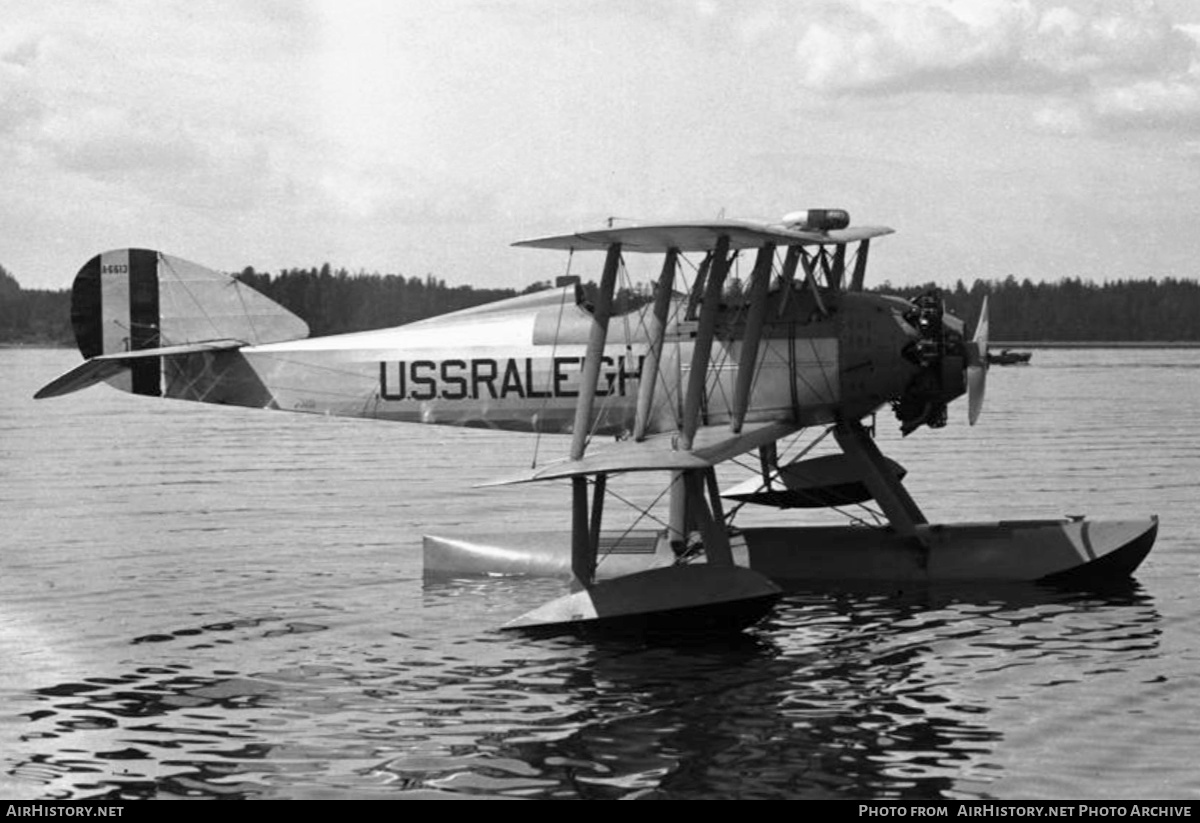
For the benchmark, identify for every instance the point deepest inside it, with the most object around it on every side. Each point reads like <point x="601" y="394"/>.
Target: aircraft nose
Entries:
<point x="937" y="348"/>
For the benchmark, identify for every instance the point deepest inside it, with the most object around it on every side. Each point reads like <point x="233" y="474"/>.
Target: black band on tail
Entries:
<point x="143" y="320"/>
<point x="86" y="311"/>
<point x="90" y="317"/>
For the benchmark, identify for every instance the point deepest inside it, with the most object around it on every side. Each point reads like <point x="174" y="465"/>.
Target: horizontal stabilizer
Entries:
<point x="712" y="445"/>
<point x="700" y="236"/>
<point x="99" y="369"/>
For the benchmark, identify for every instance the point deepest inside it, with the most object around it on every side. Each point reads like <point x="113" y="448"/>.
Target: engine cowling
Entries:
<point x="938" y="349"/>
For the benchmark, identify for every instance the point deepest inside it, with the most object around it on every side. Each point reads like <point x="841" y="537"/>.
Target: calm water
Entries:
<point x="206" y="602"/>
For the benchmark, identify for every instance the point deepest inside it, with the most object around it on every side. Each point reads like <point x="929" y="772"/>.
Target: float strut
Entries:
<point x="583" y="554"/>
<point x="899" y="508"/>
<point x="712" y="529"/>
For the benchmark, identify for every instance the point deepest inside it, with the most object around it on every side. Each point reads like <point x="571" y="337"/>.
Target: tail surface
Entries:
<point x="133" y="311"/>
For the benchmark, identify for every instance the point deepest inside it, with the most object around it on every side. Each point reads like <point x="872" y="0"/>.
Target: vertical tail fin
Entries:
<point x="129" y="303"/>
<point x="134" y="299"/>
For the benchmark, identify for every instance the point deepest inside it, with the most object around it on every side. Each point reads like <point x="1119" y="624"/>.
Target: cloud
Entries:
<point x="105" y="142"/>
<point x="1091" y="64"/>
<point x="871" y="47"/>
<point x="171" y="159"/>
<point x="1150" y="103"/>
<point x="397" y="194"/>
<point x="1113" y="43"/>
<point x="19" y="102"/>
<point x="152" y="100"/>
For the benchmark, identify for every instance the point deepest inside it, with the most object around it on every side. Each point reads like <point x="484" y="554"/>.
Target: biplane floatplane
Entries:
<point x="688" y="381"/>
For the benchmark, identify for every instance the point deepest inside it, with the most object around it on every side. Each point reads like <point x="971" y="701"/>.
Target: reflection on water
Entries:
<point x="840" y="695"/>
<point x="203" y="602"/>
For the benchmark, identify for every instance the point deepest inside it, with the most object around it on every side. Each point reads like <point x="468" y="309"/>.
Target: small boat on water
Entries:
<point x="1008" y="357"/>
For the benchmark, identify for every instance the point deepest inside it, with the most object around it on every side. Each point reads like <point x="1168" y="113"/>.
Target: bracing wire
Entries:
<point x="643" y="513"/>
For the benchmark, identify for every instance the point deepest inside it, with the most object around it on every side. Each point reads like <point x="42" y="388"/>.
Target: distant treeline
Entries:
<point x="334" y="301"/>
<point x="1071" y="310"/>
<point x="35" y="317"/>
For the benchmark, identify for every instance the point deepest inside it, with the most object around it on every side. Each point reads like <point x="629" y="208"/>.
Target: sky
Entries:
<point x="1027" y="138"/>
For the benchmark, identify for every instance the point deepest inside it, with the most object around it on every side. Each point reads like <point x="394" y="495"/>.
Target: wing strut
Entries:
<point x="658" y="327"/>
<point x="595" y="351"/>
<point x="697" y="292"/>
<point x="834" y="274"/>
<point x="583" y="546"/>
<point x="788" y="276"/>
<point x="702" y="348"/>
<point x="760" y="281"/>
<point x="860" y="266"/>
<point x="810" y="277"/>
<point x="704" y="512"/>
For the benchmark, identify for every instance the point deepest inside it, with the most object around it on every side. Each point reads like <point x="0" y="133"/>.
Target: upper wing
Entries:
<point x="700" y="236"/>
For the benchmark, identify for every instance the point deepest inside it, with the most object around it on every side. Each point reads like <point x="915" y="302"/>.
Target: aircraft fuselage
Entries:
<point x="517" y="365"/>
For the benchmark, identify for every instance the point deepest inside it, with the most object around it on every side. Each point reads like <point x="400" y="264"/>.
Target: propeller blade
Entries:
<point x="977" y="367"/>
<point x="976" y="384"/>
<point x="981" y="330"/>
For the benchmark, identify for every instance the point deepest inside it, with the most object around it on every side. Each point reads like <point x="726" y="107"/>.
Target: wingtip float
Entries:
<point x="686" y="383"/>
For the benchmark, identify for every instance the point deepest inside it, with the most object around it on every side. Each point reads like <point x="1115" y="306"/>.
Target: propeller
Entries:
<point x="977" y="366"/>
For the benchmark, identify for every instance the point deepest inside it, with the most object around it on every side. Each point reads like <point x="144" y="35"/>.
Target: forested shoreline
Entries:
<point x="334" y="301"/>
